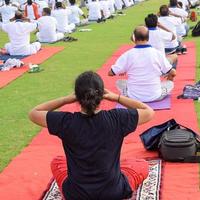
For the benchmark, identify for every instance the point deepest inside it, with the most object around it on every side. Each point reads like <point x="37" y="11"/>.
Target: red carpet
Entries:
<point x="44" y="54"/>
<point x="27" y="176"/>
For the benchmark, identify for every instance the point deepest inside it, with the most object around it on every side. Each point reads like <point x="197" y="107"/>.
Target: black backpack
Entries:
<point x="179" y="145"/>
<point x="196" y="30"/>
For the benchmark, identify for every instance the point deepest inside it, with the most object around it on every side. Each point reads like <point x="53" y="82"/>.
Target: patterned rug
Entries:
<point x="149" y="189"/>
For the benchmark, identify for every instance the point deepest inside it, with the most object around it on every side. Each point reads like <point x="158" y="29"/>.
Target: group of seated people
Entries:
<point x="154" y="55"/>
<point x="51" y="20"/>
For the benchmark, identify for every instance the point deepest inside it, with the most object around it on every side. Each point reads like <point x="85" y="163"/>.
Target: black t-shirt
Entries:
<point x="92" y="146"/>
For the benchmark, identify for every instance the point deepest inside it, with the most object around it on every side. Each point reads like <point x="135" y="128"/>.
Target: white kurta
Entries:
<point x="47" y="30"/>
<point x="19" y="36"/>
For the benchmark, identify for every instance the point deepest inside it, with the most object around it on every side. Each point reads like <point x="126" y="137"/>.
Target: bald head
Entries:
<point x="141" y="34"/>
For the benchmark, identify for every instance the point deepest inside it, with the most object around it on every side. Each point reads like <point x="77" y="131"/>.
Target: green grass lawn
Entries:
<point x="89" y="53"/>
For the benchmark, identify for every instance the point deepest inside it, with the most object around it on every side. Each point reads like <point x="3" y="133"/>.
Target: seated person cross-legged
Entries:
<point x="19" y="36"/>
<point x="92" y="141"/>
<point x="144" y="65"/>
<point x="47" y="28"/>
<point x="158" y="35"/>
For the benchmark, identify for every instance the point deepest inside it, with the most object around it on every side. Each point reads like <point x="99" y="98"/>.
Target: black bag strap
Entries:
<point x="192" y="159"/>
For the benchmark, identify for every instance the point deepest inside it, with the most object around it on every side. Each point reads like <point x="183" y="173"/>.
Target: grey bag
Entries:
<point x="179" y="145"/>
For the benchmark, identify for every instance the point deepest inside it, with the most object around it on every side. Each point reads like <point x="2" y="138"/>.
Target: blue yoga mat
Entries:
<point x="6" y="57"/>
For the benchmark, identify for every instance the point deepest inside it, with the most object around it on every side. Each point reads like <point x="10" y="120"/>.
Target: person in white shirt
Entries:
<point x="105" y="8"/>
<point x="171" y="23"/>
<point x="118" y="5"/>
<point x="144" y="65"/>
<point x="61" y="14"/>
<point x="158" y="35"/>
<point x="111" y="5"/>
<point x="47" y="28"/>
<point x="76" y="12"/>
<point x="186" y="4"/>
<point x="19" y="35"/>
<point x="7" y="11"/>
<point x="95" y="12"/>
<point x="174" y="8"/>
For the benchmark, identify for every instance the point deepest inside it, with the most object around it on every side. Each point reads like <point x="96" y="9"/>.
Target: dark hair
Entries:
<point x="141" y="35"/>
<point x="89" y="90"/>
<point x="47" y="11"/>
<point x="180" y="4"/>
<point x="151" y="21"/>
<point x="173" y="3"/>
<point x="72" y="2"/>
<point x="59" y="5"/>
<point x="18" y="15"/>
<point x="164" y="10"/>
<point x="7" y="2"/>
<point x="29" y="2"/>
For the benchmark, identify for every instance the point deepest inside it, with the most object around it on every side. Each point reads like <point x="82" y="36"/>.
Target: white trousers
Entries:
<point x="57" y="37"/>
<point x="167" y="87"/>
<point x="25" y="50"/>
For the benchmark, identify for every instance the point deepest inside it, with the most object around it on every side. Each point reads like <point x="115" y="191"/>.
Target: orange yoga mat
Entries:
<point x="44" y="54"/>
<point x="28" y="175"/>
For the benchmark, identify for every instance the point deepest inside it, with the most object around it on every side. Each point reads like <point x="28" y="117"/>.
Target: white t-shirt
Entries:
<point x="185" y="4"/>
<point x="181" y="31"/>
<point x="144" y="65"/>
<point x="76" y="12"/>
<point x="105" y="7"/>
<point x="62" y="18"/>
<point x="47" y="28"/>
<point x="94" y="11"/>
<point x="19" y="36"/>
<point x="7" y="13"/>
<point x="171" y="23"/>
<point x="158" y="37"/>
<point x="111" y="4"/>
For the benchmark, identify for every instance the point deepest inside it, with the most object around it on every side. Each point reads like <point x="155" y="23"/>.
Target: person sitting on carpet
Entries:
<point x="144" y="65"/>
<point x="31" y="10"/>
<point x="157" y="37"/>
<point x="47" y="28"/>
<point x="95" y="12"/>
<point x="171" y="23"/>
<point x="7" y="11"/>
<point x="76" y="12"/>
<point x="182" y="30"/>
<point x="92" y="141"/>
<point x="61" y="14"/>
<point x="19" y="35"/>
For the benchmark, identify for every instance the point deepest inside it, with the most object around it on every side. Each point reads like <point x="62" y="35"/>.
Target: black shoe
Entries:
<point x="184" y="50"/>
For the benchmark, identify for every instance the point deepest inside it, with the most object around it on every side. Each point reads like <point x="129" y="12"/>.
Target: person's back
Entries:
<point x="94" y="11"/>
<point x="7" y="12"/>
<point x="76" y="12"/>
<point x="61" y="15"/>
<point x="157" y="36"/>
<point x="92" y="146"/>
<point x="143" y="65"/>
<point x="105" y="8"/>
<point x="19" y="35"/>
<point x="47" y="28"/>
